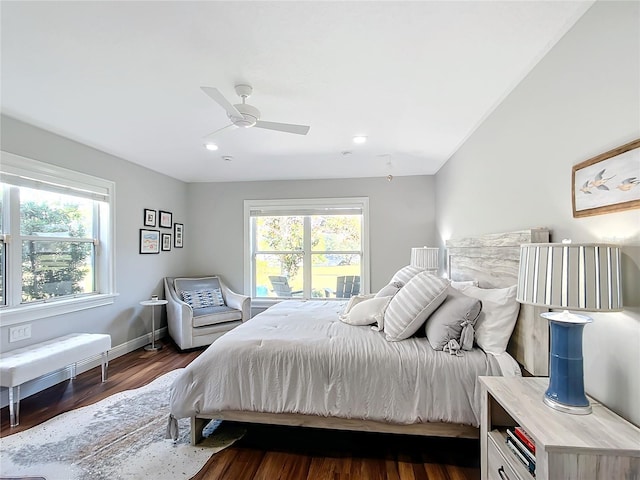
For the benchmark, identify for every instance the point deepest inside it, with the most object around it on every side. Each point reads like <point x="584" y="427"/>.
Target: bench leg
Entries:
<point x="14" y="405"/>
<point x="105" y="366"/>
<point x="73" y="371"/>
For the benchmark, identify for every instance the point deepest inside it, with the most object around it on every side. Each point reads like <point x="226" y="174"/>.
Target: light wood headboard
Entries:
<point x="493" y="261"/>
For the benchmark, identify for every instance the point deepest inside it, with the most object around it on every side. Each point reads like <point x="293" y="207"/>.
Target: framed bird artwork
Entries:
<point x="607" y="183"/>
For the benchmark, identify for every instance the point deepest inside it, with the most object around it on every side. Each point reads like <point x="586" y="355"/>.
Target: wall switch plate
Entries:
<point x="21" y="332"/>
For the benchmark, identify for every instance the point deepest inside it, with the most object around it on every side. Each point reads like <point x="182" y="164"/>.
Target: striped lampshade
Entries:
<point x="570" y="276"/>
<point x="425" y="257"/>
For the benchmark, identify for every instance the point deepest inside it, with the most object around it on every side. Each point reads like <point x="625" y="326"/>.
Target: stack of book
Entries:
<point x="523" y="446"/>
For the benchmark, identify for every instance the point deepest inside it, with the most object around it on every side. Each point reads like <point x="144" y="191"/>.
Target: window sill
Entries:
<point x="28" y="313"/>
<point x="266" y="303"/>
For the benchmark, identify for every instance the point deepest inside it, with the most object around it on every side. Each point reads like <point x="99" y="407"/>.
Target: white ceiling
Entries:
<point x="416" y="77"/>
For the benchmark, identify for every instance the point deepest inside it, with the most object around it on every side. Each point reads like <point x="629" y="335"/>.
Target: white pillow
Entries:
<point x="355" y="300"/>
<point x="390" y="290"/>
<point x="412" y="305"/>
<point x="497" y="318"/>
<point x="367" y="312"/>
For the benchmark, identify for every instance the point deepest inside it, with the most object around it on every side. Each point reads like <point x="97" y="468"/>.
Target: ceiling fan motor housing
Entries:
<point x="249" y="113"/>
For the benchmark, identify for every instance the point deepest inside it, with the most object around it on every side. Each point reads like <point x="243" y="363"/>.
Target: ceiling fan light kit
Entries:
<point x="247" y="116"/>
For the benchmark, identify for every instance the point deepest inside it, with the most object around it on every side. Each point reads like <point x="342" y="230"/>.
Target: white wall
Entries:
<point x="402" y="215"/>
<point x="137" y="276"/>
<point x="514" y="172"/>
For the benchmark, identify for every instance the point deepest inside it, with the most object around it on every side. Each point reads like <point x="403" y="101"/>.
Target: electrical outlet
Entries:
<point x="21" y="332"/>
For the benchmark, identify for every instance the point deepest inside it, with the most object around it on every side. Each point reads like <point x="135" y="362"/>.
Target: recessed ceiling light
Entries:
<point x="211" y="146"/>
<point x="360" y="139"/>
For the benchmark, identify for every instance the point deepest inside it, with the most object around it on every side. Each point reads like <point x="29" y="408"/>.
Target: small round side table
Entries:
<point x="152" y="347"/>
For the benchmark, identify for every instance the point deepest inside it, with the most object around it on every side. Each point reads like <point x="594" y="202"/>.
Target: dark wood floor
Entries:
<point x="268" y="452"/>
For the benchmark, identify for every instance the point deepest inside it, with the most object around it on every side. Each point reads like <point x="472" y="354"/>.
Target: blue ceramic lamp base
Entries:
<point x="566" y="373"/>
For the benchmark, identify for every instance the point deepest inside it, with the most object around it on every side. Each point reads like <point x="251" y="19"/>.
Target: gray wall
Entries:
<point x="514" y="172"/>
<point x="137" y="276"/>
<point x="402" y="215"/>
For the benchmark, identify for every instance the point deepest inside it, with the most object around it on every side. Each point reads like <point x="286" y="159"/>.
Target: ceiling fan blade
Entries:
<point x="215" y="94"/>
<point x="212" y="134"/>
<point x="283" y="127"/>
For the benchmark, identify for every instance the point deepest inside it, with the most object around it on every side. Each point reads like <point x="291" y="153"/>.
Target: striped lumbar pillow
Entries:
<point x="412" y="305"/>
<point x="203" y="298"/>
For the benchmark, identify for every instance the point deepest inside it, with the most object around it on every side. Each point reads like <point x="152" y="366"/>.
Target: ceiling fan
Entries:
<point x="245" y="115"/>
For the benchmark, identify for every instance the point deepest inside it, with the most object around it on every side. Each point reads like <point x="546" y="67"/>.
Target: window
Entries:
<point x="306" y="249"/>
<point x="56" y="240"/>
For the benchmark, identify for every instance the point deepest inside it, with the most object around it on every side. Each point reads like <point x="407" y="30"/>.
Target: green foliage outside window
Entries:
<point x="335" y="242"/>
<point x="53" y="268"/>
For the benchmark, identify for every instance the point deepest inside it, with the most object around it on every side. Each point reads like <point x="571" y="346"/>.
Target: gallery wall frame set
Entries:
<point x="609" y="182"/>
<point x="154" y="241"/>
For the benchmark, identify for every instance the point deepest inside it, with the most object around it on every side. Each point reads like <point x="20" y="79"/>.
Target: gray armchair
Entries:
<point x="193" y="327"/>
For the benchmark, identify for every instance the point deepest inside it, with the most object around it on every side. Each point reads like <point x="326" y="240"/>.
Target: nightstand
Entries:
<point x="598" y="446"/>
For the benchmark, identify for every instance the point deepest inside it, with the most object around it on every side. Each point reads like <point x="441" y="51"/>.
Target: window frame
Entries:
<point x="301" y="207"/>
<point x="14" y="312"/>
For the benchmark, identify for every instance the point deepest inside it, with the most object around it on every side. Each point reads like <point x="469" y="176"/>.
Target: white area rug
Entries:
<point x="120" y="437"/>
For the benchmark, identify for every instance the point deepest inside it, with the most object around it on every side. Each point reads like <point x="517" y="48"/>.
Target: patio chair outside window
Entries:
<point x="281" y="287"/>
<point x="347" y="286"/>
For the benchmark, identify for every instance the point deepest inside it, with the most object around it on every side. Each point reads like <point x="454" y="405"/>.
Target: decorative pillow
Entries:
<point x="203" y="298"/>
<point x="390" y="290"/>
<point x="413" y="304"/>
<point x="355" y="300"/>
<point x="497" y="318"/>
<point x="456" y="313"/>
<point x="406" y="273"/>
<point x="367" y="312"/>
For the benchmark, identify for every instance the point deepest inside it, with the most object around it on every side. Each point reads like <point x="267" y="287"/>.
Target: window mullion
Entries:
<point x="254" y="255"/>
<point x="14" y="250"/>
<point x="306" y="262"/>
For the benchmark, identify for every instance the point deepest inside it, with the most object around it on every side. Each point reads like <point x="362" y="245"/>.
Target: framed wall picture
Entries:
<point x="166" y="219"/>
<point x="166" y="242"/>
<point x="608" y="182"/>
<point x="178" y="231"/>
<point x="149" y="217"/>
<point x="149" y="241"/>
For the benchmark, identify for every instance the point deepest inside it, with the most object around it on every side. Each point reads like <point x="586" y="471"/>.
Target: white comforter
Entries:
<point x="298" y="357"/>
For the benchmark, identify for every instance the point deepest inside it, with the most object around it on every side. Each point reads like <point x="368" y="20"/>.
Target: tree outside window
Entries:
<point x="57" y="245"/>
<point x="330" y="249"/>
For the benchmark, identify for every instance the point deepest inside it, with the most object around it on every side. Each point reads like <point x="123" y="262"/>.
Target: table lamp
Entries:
<point x="425" y="257"/>
<point x="569" y="276"/>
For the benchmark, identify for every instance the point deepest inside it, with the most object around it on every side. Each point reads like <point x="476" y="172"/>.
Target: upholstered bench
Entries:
<point x="28" y="363"/>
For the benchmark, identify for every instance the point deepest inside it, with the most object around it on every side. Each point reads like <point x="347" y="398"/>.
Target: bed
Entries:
<point x="298" y="364"/>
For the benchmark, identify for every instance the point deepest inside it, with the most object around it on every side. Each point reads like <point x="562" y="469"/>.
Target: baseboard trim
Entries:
<point x="41" y="383"/>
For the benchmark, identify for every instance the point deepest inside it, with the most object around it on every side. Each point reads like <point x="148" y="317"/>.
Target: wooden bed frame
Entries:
<point x="493" y="261"/>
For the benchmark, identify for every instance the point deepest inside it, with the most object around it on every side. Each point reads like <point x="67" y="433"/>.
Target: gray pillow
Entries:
<point x="447" y="322"/>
